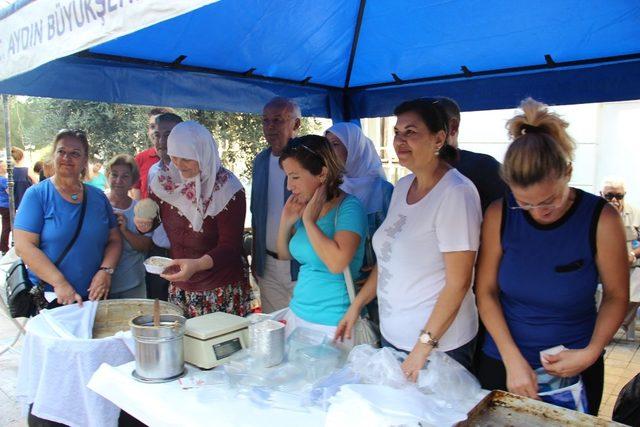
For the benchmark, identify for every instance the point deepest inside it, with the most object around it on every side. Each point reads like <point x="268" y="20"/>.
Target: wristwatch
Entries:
<point x="426" y="338"/>
<point x="107" y="270"/>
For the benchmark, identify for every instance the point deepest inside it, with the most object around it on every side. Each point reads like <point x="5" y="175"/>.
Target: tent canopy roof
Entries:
<point x="349" y="58"/>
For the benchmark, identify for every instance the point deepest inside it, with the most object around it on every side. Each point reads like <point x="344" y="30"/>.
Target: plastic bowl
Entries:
<point x="156" y="264"/>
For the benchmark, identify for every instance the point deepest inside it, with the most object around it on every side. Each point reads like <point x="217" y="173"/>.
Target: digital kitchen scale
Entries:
<point x="209" y="340"/>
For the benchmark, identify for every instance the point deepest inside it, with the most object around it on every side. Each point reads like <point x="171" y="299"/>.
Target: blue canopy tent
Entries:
<point x="342" y="59"/>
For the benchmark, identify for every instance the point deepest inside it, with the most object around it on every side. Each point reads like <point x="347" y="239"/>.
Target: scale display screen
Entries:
<point x="227" y="348"/>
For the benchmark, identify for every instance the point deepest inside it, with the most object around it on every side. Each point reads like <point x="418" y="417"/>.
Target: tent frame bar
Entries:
<point x="397" y="82"/>
<point x="346" y="111"/>
<point x="178" y="66"/>
<point x="354" y="44"/>
<point x="547" y="65"/>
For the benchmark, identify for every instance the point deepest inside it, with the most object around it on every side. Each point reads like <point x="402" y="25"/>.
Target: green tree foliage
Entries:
<point x="119" y="128"/>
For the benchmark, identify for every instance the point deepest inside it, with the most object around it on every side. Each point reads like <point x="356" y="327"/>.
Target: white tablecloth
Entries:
<point x="167" y="404"/>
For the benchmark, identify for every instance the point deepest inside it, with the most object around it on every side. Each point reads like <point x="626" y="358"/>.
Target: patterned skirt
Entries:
<point x="234" y="299"/>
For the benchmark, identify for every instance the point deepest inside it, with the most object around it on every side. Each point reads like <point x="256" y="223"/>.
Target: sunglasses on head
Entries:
<point x="297" y="145"/>
<point x="610" y="196"/>
<point x="78" y="132"/>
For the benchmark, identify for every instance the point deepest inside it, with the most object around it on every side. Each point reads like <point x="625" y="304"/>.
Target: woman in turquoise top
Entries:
<point x="324" y="229"/>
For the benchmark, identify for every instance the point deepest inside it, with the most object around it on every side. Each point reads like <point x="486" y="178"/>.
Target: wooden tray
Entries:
<point x="113" y="316"/>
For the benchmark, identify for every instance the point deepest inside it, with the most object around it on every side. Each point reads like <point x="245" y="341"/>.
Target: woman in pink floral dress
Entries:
<point x="202" y="208"/>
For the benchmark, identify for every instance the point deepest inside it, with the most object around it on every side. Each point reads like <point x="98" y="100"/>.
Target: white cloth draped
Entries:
<point x="59" y="358"/>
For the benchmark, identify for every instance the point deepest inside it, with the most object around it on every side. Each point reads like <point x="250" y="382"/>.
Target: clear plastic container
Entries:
<point x="303" y="337"/>
<point x="317" y="361"/>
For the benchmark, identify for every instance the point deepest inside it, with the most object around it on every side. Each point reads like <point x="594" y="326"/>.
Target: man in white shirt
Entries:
<point x="276" y="278"/>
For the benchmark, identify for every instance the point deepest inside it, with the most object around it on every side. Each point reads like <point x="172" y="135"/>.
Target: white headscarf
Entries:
<point x="207" y="193"/>
<point x="364" y="167"/>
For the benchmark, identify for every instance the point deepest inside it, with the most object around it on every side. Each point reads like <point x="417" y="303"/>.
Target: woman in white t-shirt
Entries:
<point x="426" y="248"/>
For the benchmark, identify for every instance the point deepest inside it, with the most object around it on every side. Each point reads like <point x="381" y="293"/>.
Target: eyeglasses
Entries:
<point x="611" y="196"/>
<point x="527" y="207"/>
<point x="554" y="203"/>
<point x="74" y="155"/>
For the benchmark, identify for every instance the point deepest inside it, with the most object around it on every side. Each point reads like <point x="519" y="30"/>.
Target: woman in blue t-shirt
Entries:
<point x="48" y="218"/>
<point x="543" y="249"/>
<point x="321" y="227"/>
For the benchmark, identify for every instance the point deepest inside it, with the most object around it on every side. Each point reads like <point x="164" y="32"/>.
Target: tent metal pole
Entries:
<point x="346" y="98"/>
<point x="7" y="147"/>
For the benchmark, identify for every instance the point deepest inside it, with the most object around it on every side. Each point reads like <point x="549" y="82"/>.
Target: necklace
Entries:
<point x="74" y="196"/>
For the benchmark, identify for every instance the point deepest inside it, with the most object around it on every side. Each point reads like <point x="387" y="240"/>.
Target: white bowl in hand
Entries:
<point x="156" y="264"/>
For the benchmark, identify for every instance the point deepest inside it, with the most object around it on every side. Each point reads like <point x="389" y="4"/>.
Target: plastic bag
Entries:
<point x="268" y="398"/>
<point x="627" y="409"/>
<point x="327" y="387"/>
<point x="378" y="366"/>
<point x="370" y="405"/>
<point x="447" y="378"/>
<point x="565" y="392"/>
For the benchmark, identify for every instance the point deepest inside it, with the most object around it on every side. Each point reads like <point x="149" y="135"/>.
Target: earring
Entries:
<point x="437" y="152"/>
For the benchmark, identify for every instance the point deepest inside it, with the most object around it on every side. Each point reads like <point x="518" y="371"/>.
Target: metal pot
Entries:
<point x="159" y="350"/>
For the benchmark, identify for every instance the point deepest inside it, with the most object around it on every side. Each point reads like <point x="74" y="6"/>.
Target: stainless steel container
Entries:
<point x="159" y="350"/>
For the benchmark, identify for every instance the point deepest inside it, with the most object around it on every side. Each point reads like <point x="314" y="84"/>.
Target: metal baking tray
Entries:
<point x="502" y="409"/>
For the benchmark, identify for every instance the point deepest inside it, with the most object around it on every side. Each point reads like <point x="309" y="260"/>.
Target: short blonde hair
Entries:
<point x="124" y="160"/>
<point x="541" y="146"/>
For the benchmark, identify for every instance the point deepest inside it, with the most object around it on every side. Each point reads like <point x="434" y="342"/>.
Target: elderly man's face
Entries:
<point x="279" y="126"/>
<point x="615" y="196"/>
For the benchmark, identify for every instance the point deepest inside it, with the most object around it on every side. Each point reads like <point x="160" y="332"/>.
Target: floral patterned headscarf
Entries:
<point x="207" y="193"/>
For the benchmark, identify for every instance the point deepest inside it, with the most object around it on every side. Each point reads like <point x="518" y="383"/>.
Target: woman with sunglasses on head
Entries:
<point x="324" y="229"/>
<point x="425" y="248"/>
<point x="49" y="215"/>
<point x="543" y="249"/>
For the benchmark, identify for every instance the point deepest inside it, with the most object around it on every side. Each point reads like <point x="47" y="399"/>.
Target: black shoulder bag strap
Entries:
<point x="83" y="209"/>
<point x="37" y="291"/>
